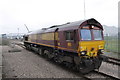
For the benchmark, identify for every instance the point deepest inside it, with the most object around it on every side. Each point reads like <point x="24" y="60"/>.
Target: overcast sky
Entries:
<point x="37" y="14"/>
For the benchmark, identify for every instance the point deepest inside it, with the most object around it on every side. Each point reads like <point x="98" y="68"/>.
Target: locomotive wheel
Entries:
<point x="40" y="51"/>
<point x="28" y="47"/>
<point x="48" y="54"/>
<point x="85" y="70"/>
<point x="69" y="65"/>
<point x="57" y="59"/>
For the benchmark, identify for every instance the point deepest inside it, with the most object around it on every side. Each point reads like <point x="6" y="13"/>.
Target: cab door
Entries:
<point x="56" y="38"/>
<point x="71" y="40"/>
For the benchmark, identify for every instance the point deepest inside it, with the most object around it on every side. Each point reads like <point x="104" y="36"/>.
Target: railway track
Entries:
<point x="113" y="60"/>
<point x="96" y="74"/>
<point x="21" y="45"/>
<point x="99" y="75"/>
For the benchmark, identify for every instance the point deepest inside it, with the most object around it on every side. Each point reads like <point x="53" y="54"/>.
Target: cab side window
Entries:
<point x="69" y="35"/>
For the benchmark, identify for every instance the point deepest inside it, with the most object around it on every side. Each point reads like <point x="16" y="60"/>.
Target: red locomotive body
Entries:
<point x="65" y="43"/>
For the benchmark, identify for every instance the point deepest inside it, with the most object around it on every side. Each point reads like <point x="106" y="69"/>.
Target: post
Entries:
<point x="18" y="33"/>
<point x="84" y="11"/>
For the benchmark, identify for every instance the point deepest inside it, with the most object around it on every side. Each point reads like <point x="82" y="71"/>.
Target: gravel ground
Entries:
<point x="26" y="64"/>
<point x="110" y="69"/>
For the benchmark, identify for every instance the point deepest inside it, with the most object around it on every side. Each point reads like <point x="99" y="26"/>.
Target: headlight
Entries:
<point x="83" y="53"/>
<point x="102" y="51"/>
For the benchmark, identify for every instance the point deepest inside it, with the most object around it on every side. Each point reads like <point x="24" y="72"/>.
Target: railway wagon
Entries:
<point x="78" y="45"/>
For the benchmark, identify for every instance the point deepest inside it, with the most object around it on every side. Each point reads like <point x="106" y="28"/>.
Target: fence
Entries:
<point x="111" y="43"/>
<point x="4" y="41"/>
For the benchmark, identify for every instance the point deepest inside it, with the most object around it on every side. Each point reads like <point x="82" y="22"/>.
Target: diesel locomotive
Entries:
<point x="79" y="45"/>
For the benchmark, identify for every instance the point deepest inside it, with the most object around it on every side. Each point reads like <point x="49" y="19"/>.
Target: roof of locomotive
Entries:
<point x="73" y="25"/>
<point x="67" y="26"/>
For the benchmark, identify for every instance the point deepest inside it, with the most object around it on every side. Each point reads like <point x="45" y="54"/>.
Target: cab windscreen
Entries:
<point x="85" y="34"/>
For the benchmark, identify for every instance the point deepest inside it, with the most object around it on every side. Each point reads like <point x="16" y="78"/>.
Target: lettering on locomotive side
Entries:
<point x="59" y="44"/>
<point x="69" y="44"/>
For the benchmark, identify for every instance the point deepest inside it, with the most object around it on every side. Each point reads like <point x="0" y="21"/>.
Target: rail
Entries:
<point x="112" y="60"/>
<point x="100" y="74"/>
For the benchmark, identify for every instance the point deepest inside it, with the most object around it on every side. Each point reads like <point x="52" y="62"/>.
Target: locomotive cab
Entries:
<point x="91" y="45"/>
<point x="91" y="42"/>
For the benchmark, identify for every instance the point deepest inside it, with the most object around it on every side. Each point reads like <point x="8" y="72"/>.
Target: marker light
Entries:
<point x="92" y="26"/>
